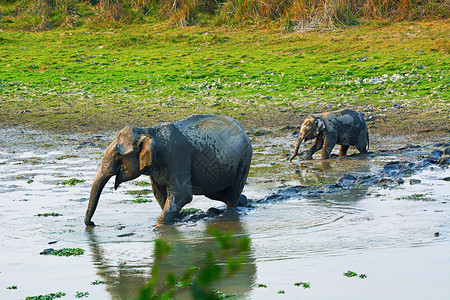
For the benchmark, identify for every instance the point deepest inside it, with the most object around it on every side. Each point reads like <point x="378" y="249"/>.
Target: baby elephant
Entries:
<point x="343" y="127"/>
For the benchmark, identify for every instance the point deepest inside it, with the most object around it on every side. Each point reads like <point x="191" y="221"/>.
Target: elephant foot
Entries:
<point x="89" y="223"/>
<point x="167" y="218"/>
<point x="231" y="214"/>
<point x="242" y="201"/>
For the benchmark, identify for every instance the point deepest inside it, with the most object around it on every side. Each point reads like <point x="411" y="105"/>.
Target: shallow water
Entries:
<point x="380" y="230"/>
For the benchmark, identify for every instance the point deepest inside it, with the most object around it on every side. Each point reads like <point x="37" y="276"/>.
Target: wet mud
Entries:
<point x="384" y="214"/>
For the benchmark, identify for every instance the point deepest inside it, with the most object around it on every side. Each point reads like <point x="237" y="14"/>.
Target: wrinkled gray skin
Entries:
<point x="201" y="155"/>
<point x="343" y="127"/>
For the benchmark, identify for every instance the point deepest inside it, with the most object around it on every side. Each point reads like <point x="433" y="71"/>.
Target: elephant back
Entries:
<point x="220" y="134"/>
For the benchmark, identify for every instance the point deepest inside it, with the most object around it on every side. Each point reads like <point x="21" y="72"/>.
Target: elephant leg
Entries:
<point x="179" y="194"/>
<point x="328" y="146"/>
<point x="160" y="193"/>
<point x="343" y="150"/>
<point x="316" y="146"/>
<point x="362" y="144"/>
<point x="237" y="186"/>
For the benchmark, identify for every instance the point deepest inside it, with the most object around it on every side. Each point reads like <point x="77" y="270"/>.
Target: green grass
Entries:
<point x="144" y="74"/>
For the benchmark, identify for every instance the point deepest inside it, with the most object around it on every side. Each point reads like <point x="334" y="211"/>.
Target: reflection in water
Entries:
<point x="122" y="281"/>
<point x="187" y="250"/>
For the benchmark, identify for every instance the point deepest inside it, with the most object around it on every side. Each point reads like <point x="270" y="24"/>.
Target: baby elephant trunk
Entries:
<point x="297" y="145"/>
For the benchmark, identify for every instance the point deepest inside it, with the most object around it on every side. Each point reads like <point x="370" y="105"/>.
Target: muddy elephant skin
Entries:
<point x="201" y="155"/>
<point x="343" y="127"/>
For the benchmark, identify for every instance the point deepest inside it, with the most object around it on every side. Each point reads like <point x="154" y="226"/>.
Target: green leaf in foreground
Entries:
<point x="46" y="297"/>
<point x="68" y="252"/>
<point x="198" y="280"/>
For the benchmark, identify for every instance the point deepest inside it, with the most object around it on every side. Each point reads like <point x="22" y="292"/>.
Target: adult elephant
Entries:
<point x="344" y="127"/>
<point x="201" y="155"/>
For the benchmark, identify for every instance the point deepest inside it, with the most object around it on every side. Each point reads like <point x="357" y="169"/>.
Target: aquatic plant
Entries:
<point x="81" y="294"/>
<point x="417" y="197"/>
<point x="52" y="214"/>
<point x="141" y="200"/>
<point x="142" y="183"/>
<point x="68" y="252"/>
<point x="222" y="295"/>
<point x="350" y="274"/>
<point x="198" y="279"/>
<point x="97" y="282"/>
<point x="30" y="181"/>
<point x="305" y="285"/>
<point x="72" y="181"/>
<point x="139" y="193"/>
<point x="50" y="296"/>
<point x="189" y="211"/>
<point x="12" y="287"/>
<point x="281" y="292"/>
<point x="259" y="285"/>
<point x="354" y="274"/>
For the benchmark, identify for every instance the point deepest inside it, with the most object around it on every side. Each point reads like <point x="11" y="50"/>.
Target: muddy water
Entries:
<point x="386" y="230"/>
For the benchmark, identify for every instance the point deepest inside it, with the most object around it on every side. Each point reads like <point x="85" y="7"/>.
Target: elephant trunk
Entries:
<point x="100" y="181"/>
<point x="297" y="145"/>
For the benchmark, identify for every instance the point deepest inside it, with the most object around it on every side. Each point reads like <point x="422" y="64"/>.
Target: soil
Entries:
<point x="382" y="121"/>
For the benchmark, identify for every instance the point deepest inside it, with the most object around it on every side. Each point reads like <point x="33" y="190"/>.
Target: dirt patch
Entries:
<point x="382" y="121"/>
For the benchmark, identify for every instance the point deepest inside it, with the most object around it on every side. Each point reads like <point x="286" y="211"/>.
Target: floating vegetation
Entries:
<point x="81" y="294"/>
<point x="259" y="285"/>
<point x="142" y="183"/>
<point x="321" y="182"/>
<point x="72" y="181"/>
<point x="222" y="295"/>
<point x="46" y="297"/>
<point x="12" y="287"/>
<point x="280" y="292"/>
<point x="68" y="252"/>
<point x="141" y="200"/>
<point x="98" y="282"/>
<point x="30" y="181"/>
<point x="189" y="211"/>
<point x="417" y="197"/>
<point x="139" y="193"/>
<point x="66" y="156"/>
<point x="350" y="274"/>
<point x="52" y="214"/>
<point x="305" y="285"/>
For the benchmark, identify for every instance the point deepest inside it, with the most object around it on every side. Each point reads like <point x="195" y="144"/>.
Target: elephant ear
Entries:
<point x="124" y="141"/>
<point x="320" y="125"/>
<point x="147" y="152"/>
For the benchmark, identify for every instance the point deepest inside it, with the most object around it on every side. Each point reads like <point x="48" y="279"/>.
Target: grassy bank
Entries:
<point x="82" y="80"/>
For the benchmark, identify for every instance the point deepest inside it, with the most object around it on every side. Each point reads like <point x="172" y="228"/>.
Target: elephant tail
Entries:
<point x="368" y="141"/>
